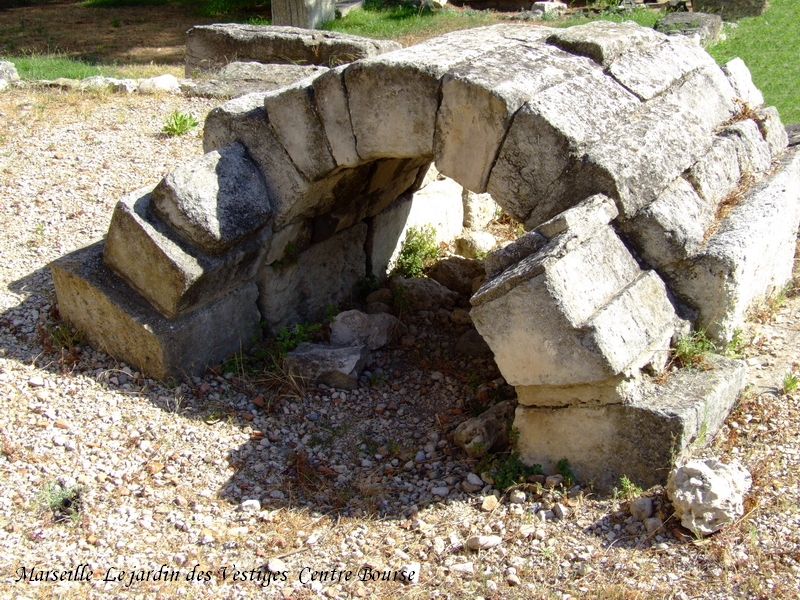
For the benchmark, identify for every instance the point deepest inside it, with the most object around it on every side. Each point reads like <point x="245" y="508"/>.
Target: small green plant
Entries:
<point x="178" y="123"/>
<point x="65" y="337"/>
<point x="331" y="310"/>
<point x="366" y="285"/>
<point x="63" y="500"/>
<point x="290" y="254"/>
<point x="627" y="489"/>
<point x="691" y="350"/>
<point x="735" y="348"/>
<point x="563" y="467"/>
<point x="417" y="250"/>
<point x="289" y="338"/>
<point x="790" y="381"/>
<point x="235" y="363"/>
<point x="507" y="468"/>
<point x="376" y="379"/>
<point x="115" y="22"/>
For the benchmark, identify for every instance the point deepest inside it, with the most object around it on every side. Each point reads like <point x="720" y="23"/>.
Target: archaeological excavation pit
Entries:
<point x="657" y="192"/>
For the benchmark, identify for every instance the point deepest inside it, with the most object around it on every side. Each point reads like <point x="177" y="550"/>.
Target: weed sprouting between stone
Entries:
<point x="179" y="123"/>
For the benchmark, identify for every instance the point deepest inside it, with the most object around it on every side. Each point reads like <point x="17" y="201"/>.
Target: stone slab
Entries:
<point x="240" y="78"/>
<point x="604" y="42"/>
<point x="637" y="440"/>
<point x="731" y="10"/>
<point x="335" y="366"/>
<point x="742" y="82"/>
<point x="703" y="28"/>
<point x="117" y="320"/>
<point x="209" y="47"/>
<point x="174" y="276"/>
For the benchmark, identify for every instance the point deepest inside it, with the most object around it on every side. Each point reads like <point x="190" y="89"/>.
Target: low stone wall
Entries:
<point x="655" y="187"/>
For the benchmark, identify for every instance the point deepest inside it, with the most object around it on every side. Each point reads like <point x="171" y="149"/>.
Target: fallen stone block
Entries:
<point x="352" y="327"/>
<point x="214" y="202"/>
<point x="752" y="150"/>
<point x="209" y="47"/>
<point x="703" y="28"/>
<point x="338" y="367"/>
<point x="748" y="258"/>
<point x="731" y="10"/>
<point x="240" y="78"/>
<point x="456" y="273"/>
<point x="479" y="209"/>
<point x="422" y="293"/>
<point x="172" y="275"/>
<point x="772" y="129"/>
<point x="638" y="440"/>
<point x="708" y="494"/>
<point x="300" y="288"/>
<point x="742" y="82"/>
<point x="488" y="432"/>
<point x="117" y="320"/>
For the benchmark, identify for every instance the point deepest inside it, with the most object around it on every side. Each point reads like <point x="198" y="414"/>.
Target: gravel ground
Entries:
<point x="221" y="487"/>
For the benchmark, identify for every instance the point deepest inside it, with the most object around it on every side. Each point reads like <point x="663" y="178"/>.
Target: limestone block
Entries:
<point x="174" y="276"/>
<point x="708" y="494"/>
<point x="438" y="205"/>
<point x="499" y="260"/>
<point x="338" y="367"/>
<point x="582" y="220"/>
<point x="648" y="73"/>
<point x="214" y="202"/>
<point x="163" y="84"/>
<point x="750" y="256"/>
<point x="540" y="170"/>
<point x="423" y="293"/>
<point x="582" y="307"/>
<point x="638" y="440"/>
<point x="394" y="98"/>
<point x="331" y="104"/>
<point x="208" y="47"/>
<point x="323" y="274"/>
<point x="703" y="28"/>
<point x="614" y="390"/>
<point x="673" y="131"/>
<point x="456" y="273"/>
<point x="240" y="78"/>
<point x="717" y="173"/>
<point x="353" y="327"/>
<point x="116" y="320"/>
<point x="287" y="243"/>
<point x="773" y="130"/>
<point x="292" y="115"/>
<point x="731" y="10"/>
<point x="752" y="151"/>
<point x="472" y="244"/>
<point x="479" y="209"/>
<point x="8" y="71"/>
<point x="673" y="227"/>
<point x="742" y="82"/>
<point x="480" y="97"/>
<point x="310" y="14"/>
<point x="604" y="42"/>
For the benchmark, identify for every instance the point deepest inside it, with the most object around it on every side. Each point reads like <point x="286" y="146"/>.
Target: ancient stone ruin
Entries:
<point x="656" y="190"/>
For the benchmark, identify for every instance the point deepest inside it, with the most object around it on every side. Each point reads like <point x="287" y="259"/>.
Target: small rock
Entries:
<point x="560" y="511"/>
<point x="466" y="567"/>
<point x="483" y="542"/>
<point x="159" y="85"/>
<point x="554" y="480"/>
<point x="36" y="382"/>
<point x="489" y="503"/>
<point x="440" y="491"/>
<point x="513" y="580"/>
<point x="642" y="508"/>
<point x="652" y="525"/>
<point x="411" y="572"/>
<point x="276" y="565"/>
<point x="277" y="494"/>
<point x="473" y="479"/>
<point x="517" y="497"/>
<point x="251" y="505"/>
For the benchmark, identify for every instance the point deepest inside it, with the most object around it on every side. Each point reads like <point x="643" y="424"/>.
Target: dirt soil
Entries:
<point x="134" y="34"/>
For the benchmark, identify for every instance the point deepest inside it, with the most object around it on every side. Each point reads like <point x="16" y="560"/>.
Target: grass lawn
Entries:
<point x="48" y="66"/>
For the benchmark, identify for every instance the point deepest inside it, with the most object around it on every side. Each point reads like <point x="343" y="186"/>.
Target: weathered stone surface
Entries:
<point x="540" y="170"/>
<point x="239" y="78"/>
<point x="581" y="305"/>
<point x="708" y="494"/>
<point x="471" y="343"/>
<point x="673" y="131"/>
<point x="749" y="257"/>
<point x="8" y="71"/>
<point x="456" y="273"/>
<point x="214" y="202"/>
<point x="752" y="151"/>
<point x="773" y="130"/>
<point x="717" y="173"/>
<point x="499" y="260"/>
<point x="638" y="440"/>
<point x="117" y="320"/>
<point x="338" y="367"/>
<point x="174" y="276"/>
<point x="325" y="273"/>
<point x="603" y="42"/>
<point x="352" y="327"/>
<point x="742" y="82"/>
<point x="310" y="14"/>
<point x="424" y="294"/>
<point x="487" y="432"/>
<point x="292" y="115"/>
<point x="614" y="390"/>
<point x="731" y="10"/>
<point x="209" y="47"/>
<point x="479" y="209"/>
<point x="472" y="244"/>
<point x="287" y="243"/>
<point x="703" y="28"/>
<point x="332" y="107"/>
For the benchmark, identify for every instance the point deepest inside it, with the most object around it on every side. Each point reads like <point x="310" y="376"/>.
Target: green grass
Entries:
<point x="770" y="46"/>
<point x="399" y="21"/>
<point x="643" y="16"/>
<point x="53" y="66"/>
<point x="203" y="8"/>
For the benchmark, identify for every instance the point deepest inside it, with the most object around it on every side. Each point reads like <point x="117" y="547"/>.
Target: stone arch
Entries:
<point x="615" y="145"/>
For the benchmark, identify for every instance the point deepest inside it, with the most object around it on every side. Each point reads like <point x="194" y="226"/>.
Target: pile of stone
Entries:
<point x="656" y="189"/>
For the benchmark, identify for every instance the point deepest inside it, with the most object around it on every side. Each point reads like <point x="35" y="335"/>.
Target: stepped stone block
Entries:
<point x="117" y="320"/>
<point x="751" y="149"/>
<point x="603" y="42"/>
<point x="214" y="202"/>
<point x="581" y="307"/>
<point x="748" y="258"/>
<point x="171" y="274"/>
<point x="638" y="439"/>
